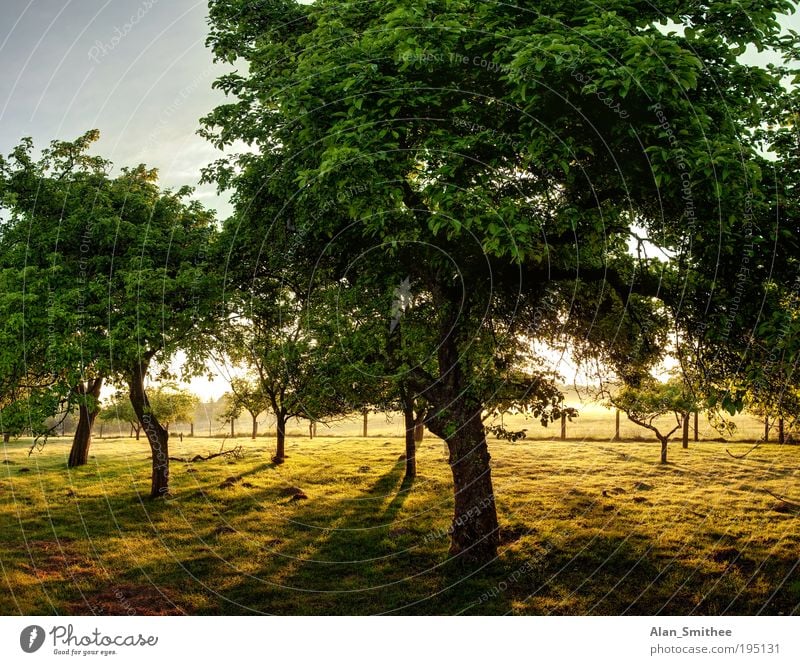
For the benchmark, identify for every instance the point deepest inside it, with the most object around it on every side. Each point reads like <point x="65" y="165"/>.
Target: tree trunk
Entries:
<point x="6" y="437"/>
<point x="475" y="534"/>
<point x="233" y="425"/>
<point x="663" y="451"/>
<point x="280" y="449"/>
<point x="781" y="433"/>
<point x="311" y="425"/>
<point x="766" y="430"/>
<point x="255" y="427"/>
<point x="411" y="445"/>
<point x="191" y="429"/>
<point x="419" y="428"/>
<point x="87" y="412"/>
<point x="157" y="436"/>
<point x="696" y="425"/>
<point x="365" y="413"/>
<point x="616" y="429"/>
<point x="138" y="430"/>
<point x="563" y="427"/>
<point x="686" y="430"/>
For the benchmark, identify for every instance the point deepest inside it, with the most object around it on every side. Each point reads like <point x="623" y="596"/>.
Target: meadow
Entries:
<point x="587" y="527"/>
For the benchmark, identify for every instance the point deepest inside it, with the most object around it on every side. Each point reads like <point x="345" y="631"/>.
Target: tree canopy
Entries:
<point x="504" y="160"/>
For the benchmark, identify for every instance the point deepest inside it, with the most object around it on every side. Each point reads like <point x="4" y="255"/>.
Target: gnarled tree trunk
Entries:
<point x="157" y="436"/>
<point x="475" y="529"/>
<point x="88" y="409"/>
<point x="663" y="449"/>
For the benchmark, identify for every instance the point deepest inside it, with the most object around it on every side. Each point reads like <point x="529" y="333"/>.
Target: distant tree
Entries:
<point x="172" y="405"/>
<point x="246" y="395"/>
<point x="651" y="400"/>
<point x="120" y="408"/>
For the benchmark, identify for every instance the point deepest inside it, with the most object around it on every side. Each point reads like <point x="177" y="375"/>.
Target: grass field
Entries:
<point x="587" y="528"/>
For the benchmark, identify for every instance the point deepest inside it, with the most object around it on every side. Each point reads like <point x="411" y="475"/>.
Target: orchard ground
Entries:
<point x="588" y="527"/>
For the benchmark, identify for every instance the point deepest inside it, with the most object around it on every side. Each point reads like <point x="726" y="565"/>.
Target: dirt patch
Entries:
<point x="643" y="487"/>
<point x="290" y="491"/>
<point x="511" y="534"/>
<point x="640" y="499"/>
<point x="225" y="528"/>
<point x="56" y="561"/>
<point x="229" y="482"/>
<point x="129" y="600"/>
<point x="725" y="555"/>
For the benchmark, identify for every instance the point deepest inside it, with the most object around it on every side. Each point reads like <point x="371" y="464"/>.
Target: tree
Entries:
<point x="120" y="408"/>
<point x="502" y="159"/>
<point x="171" y="404"/>
<point x="121" y="277"/>
<point x="246" y="395"/>
<point x="651" y="400"/>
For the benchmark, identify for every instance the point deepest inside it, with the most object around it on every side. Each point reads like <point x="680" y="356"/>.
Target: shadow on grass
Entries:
<point x="376" y="552"/>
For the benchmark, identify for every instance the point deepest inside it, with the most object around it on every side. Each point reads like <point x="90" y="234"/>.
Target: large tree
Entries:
<point x="504" y="159"/>
<point x="115" y="278"/>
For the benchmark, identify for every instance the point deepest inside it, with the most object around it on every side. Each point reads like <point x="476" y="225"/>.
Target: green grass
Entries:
<point x="700" y="535"/>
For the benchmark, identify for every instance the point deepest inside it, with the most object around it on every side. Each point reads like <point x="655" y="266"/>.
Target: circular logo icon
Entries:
<point x="31" y="638"/>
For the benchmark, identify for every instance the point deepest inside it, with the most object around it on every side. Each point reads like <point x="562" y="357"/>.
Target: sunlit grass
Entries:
<point x="588" y="527"/>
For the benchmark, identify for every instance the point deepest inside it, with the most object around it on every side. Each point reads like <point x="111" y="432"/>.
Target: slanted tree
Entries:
<point x="502" y="159"/>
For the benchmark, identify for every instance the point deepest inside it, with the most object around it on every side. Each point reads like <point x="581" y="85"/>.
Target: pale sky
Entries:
<point x="137" y="70"/>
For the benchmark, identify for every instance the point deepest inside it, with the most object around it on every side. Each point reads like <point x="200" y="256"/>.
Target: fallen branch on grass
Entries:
<point x="744" y="454"/>
<point x="788" y="502"/>
<point x="233" y="452"/>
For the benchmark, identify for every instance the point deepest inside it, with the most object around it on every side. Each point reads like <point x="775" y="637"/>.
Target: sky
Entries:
<point x="137" y="70"/>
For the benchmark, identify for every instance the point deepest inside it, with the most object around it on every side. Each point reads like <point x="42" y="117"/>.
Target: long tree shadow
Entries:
<point x="382" y="550"/>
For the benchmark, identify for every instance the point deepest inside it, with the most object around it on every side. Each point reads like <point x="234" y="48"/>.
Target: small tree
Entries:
<point x="120" y="409"/>
<point x="173" y="405"/>
<point x="649" y="401"/>
<point x="246" y="395"/>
